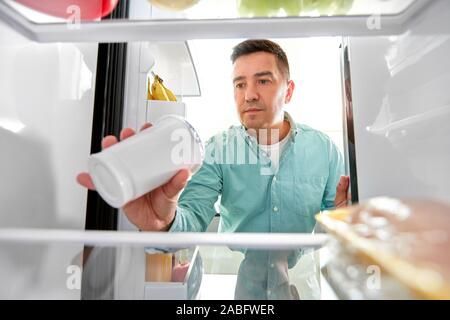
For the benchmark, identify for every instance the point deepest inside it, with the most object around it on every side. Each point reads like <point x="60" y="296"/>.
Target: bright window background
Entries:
<point x="315" y="69"/>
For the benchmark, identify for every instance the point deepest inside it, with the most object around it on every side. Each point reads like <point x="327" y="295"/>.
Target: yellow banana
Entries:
<point x="160" y="92"/>
<point x="149" y="94"/>
<point x="170" y="94"/>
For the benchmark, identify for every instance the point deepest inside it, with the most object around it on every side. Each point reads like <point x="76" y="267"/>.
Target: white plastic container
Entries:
<point x="145" y="161"/>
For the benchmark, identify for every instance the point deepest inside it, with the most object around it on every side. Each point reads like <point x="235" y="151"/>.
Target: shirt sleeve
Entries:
<point x="336" y="170"/>
<point x="195" y="208"/>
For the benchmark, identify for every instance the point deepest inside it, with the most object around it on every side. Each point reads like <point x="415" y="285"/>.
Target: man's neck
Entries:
<point x="278" y="132"/>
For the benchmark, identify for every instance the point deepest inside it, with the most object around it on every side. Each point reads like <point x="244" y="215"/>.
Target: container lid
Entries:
<point x="111" y="179"/>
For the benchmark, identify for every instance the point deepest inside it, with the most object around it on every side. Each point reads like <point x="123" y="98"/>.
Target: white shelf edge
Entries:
<point x="165" y="239"/>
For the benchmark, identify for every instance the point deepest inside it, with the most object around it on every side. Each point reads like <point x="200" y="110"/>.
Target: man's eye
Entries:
<point x="239" y="85"/>
<point x="264" y="81"/>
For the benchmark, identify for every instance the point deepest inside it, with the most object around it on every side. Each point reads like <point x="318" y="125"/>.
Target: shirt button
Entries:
<point x="275" y="209"/>
<point x="274" y="178"/>
<point x="272" y="265"/>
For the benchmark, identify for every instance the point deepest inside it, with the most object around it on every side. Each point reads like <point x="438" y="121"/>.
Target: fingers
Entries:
<point x="178" y="182"/>
<point x="108" y="141"/>
<point x="126" y="133"/>
<point x="85" y="180"/>
<point x="145" y="126"/>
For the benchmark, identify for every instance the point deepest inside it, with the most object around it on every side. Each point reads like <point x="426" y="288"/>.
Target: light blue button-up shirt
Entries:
<point x="253" y="198"/>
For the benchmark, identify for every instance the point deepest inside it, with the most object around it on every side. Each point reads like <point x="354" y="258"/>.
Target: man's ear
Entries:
<point x="289" y="91"/>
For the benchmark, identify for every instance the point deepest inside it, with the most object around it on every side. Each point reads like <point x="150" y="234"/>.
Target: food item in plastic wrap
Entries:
<point x="409" y="239"/>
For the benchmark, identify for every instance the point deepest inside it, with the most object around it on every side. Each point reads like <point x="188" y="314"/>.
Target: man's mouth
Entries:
<point x="252" y="110"/>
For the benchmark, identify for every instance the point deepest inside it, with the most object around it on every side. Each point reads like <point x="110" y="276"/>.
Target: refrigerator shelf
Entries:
<point x="163" y="239"/>
<point x="371" y="18"/>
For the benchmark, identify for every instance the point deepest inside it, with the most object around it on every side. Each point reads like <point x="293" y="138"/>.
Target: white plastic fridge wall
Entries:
<point x="401" y="104"/>
<point x="46" y="108"/>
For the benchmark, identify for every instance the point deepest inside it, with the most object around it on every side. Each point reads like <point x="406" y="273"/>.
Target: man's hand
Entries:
<point x="155" y="210"/>
<point x="342" y="195"/>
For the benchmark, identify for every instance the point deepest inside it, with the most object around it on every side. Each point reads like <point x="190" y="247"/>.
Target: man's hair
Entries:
<point x="263" y="45"/>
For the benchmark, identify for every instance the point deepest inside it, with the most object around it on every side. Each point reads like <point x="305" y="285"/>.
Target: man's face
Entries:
<point x="260" y="90"/>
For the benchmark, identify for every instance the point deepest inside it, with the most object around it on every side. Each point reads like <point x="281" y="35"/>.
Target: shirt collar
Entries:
<point x="295" y="129"/>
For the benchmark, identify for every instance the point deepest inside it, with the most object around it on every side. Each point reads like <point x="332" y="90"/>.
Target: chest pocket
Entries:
<point x="308" y="193"/>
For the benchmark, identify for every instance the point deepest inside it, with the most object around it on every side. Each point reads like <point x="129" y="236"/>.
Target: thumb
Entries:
<point x="178" y="182"/>
<point x="341" y="191"/>
<point x="343" y="184"/>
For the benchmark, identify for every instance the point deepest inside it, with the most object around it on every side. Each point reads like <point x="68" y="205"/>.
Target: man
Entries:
<point x="305" y="167"/>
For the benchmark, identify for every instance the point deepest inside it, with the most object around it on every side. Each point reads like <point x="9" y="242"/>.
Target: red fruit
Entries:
<point x="89" y="9"/>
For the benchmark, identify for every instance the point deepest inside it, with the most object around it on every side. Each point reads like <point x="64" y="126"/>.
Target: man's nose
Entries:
<point x="251" y="94"/>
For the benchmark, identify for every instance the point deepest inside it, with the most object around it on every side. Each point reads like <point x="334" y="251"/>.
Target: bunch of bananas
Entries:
<point x="157" y="91"/>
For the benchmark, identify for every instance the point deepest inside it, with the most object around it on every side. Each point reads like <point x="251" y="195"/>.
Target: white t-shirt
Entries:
<point x="275" y="150"/>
